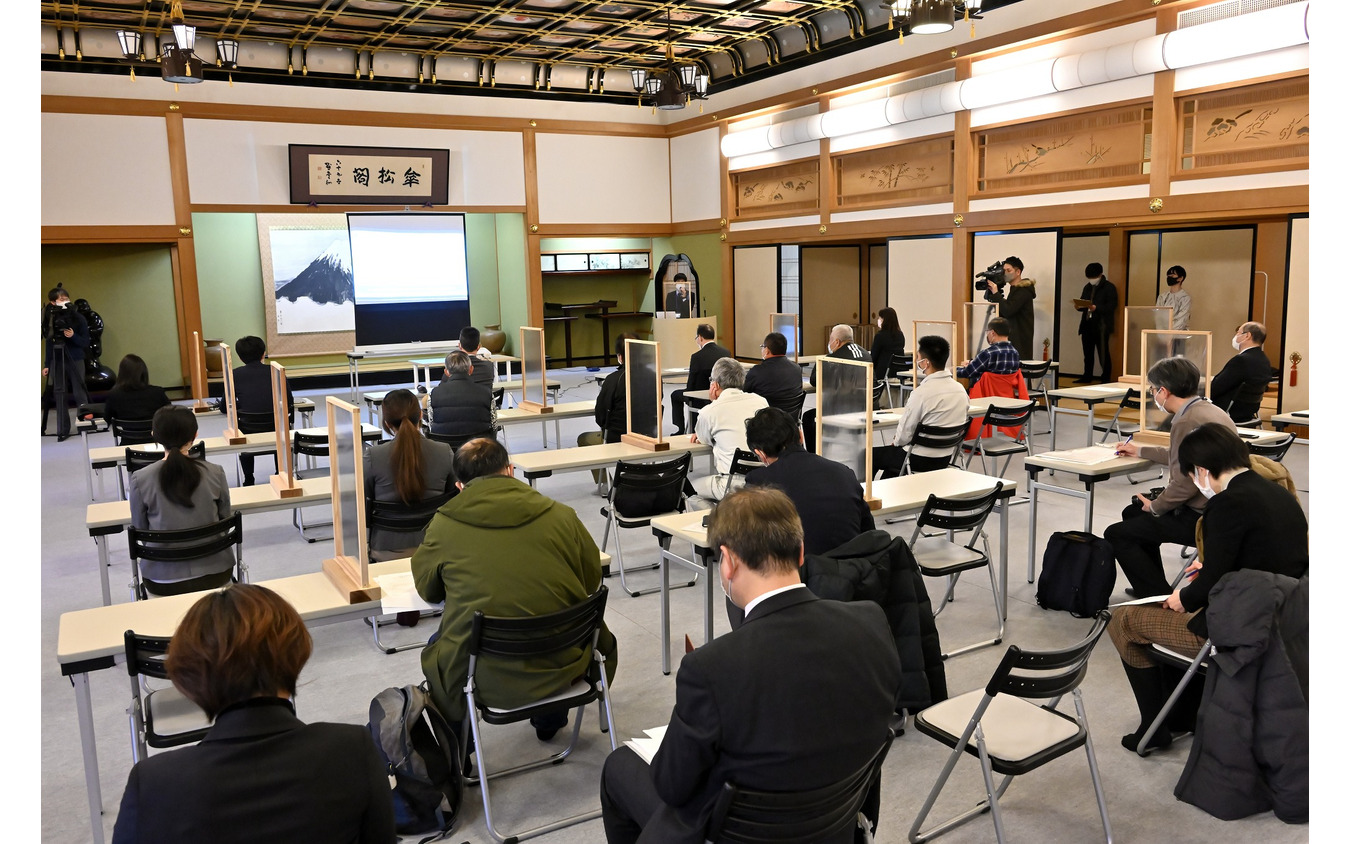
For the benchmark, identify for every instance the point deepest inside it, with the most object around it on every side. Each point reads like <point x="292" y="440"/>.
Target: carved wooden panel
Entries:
<point x="1255" y="126"/>
<point x="783" y="190"/>
<point x="1109" y="147"/>
<point x="909" y="172"/>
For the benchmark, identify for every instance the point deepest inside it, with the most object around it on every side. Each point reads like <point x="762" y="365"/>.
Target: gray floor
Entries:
<point x="1054" y="804"/>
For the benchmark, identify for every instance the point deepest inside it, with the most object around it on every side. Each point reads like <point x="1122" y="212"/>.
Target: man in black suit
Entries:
<point x="1242" y="382"/>
<point x="677" y="300"/>
<point x="760" y="706"/>
<point x="826" y="494"/>
<point x="777" y="378"/>
<point x="253" y="394"/>
<point x="700" y="373"/>
<point x="841" y="347"/>
<point x="484" y="370"/>
<point x="1097" y="322"/>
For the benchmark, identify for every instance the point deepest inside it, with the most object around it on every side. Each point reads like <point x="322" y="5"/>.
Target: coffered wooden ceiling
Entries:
<point x="568" y="49"/>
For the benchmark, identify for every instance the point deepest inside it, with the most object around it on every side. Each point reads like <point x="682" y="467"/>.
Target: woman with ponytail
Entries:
<point x="407" y="468"/>
<point x="179" y="492"/>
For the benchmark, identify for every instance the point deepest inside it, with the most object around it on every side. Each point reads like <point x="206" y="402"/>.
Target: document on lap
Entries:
<point x="1139" y="602"/>
<point x="399" y="594"/>
<point x="647" y="747"/>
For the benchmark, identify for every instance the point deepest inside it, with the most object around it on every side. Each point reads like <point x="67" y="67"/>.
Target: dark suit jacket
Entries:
<point x="261" y="775"/>
<point x="611" y="406"/>
<point x="134" y="405"/>
<point x="253" y="390"/>
<point x="778" y="380"/>
<point x="762" y="706"/>
<point x="701" y="364"/>
<point x="1251" y="369"/>
<point x="827" y="496"/>
<point x="1103" y="320"/>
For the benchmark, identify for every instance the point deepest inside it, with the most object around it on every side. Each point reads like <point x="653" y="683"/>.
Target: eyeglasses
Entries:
<point x="762" y="347"/>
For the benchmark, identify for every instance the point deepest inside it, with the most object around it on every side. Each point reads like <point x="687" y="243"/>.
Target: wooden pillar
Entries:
<point x="183" y="254"/>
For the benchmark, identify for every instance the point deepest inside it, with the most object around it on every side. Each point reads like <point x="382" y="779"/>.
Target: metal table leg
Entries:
<point x="84" y="710"/>
<point x="102" y="542"/>
<point x="1003" y="508"/>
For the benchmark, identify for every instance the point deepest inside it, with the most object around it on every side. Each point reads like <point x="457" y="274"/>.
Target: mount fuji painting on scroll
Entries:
<point x="307" y="272"/>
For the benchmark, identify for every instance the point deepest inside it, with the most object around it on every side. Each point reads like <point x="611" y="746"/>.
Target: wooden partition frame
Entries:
<point x="1146" y="436"/>
<point x="283" y="482"/>
<point x="526" y="359"/>
<point x="659" y="442"/>
<point x="823" y="361"/>
<point x="349" y="568"/>
<point x="1126" y="376"/>
<point x="914" y="344"/>
<point x="197" y="375"/>
<point x="231" y="432"/>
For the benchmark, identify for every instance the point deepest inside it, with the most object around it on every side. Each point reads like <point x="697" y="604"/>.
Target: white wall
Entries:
<point x="695" y="172"/>
<point x="105" y="169"/>
<point x="918" y="281"/>
<point x="1039" y="252"/>
<point x="597" y="179"/>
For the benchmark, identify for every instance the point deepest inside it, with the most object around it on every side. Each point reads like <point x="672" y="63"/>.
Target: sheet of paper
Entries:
<point x="1088" y="455"/>
<point x="1100" y="388"/>
<point x="1139" y="602"/>
<point x="647" y="747"/>
<point x="399" y="594"/>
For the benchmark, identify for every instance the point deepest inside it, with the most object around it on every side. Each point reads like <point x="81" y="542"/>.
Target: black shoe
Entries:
<point x="1129" y="590"/>
<point x="248" y="480"/>
<point x="62" y="437"/>
<point x="1161" y="739"/>
<point x="547" y="726"/>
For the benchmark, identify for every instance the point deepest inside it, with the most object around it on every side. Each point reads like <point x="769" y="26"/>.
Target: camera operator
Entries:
<point x="1017" y="308"/>
<point x="66" y="336"/>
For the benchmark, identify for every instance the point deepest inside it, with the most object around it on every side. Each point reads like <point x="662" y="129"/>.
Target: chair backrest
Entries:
<point x="456" y="441"/>
<point x="1035" y="370"/>
<point x="131" y="431"/>
<point x="1131" y="400"/>
<point x="137" y="458"/>
<point x="939" y="436"/>
<point x="1273" y="451"/>
<point x="743" y="461"/>
<point x="1046" y="674"/>
<point x="536" y="636"/>
<point x="1009" y="417"/>
<point x="172" y="546"/>
<point x="958" y="514"/>
<point x="795" y="817"/>
<point x="900" y="365"/>
<point x="311" y="445"/>
<point x="397" y="517"/>
<point x="145" y="655"/>
<point x="255" y="422"/>
<point x="794" y="408"/>
<point x="639" y="490"/>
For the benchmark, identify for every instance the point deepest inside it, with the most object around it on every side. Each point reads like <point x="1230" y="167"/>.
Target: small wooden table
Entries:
<point x="1297" y="417"/>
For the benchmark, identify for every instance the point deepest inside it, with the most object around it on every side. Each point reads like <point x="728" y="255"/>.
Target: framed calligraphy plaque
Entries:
<point x="329" y="175"/>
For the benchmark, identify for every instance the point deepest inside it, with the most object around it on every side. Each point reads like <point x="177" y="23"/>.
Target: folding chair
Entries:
<point x="555" y="636"/>
<point x="138" y="458"/>
<point x="941" y="556"/>
<point x="309" y="445"/>
<point x="743" y="461"/>
<point x="897" y="376"/>
<point x="1192" y="666"/>
<point x="159" y="716"/>
<point x="744" y="816"/>
<point x="183" y="546"/>
<point x="1121" y="429"/>
<point x="638" y="493"/>
<point x="259" y="422"/>
<point x="1008" y="733"/>
<point x="999" y="444"/>
<point x="1036" y="374"/>
<point x="129" y="432"/>
<point x="412" y="520"/>
<point x="1275" y="451"/>
<point x="947" y="438"/>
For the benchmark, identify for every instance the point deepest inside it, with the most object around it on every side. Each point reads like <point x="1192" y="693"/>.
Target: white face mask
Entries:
<point x="1237" y="347"/>
<point x="1205" y="489"/>
<point x="878" y="323"/>
<point x="1159" y="402"/>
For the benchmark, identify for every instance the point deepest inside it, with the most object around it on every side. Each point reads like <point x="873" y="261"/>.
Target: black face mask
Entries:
<point x="1173" y="280"/>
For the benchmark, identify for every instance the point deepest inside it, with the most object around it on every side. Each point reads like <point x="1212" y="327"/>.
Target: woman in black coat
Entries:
<point x="887" y="343"/>
<point x="1249" y="523"/>
<point x="133" y="398"/>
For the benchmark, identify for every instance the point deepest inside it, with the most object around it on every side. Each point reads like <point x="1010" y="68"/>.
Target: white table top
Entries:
<point x="256" y="498"/>
<point x="1291" y="419"/>
<point x="1094" y="392"/>
<point x="596" y="456"/>
<point x="1106" y="468"/>
<point x="565" y="410"/>
<point x="108" y="455"/>
<point x="897" y="495"/>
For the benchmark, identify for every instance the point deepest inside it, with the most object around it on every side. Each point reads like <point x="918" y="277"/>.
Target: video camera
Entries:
<point x="58" y="320"/>
<point x="994" y="273"/>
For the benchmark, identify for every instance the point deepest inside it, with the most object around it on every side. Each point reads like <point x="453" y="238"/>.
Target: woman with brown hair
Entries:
<point x="176" y="493"/>
<point x="260" y="774"/>
<point x="408" y="468"/>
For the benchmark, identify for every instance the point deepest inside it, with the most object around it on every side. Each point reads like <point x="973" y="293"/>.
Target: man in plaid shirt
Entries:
<point x="999" y="357"/>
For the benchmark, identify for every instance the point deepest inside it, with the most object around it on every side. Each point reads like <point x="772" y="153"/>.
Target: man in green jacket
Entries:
<point x="503" y="548"/>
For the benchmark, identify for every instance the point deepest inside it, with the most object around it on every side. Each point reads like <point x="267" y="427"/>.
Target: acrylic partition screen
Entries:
<point x="227" y="379"/>
<point x="346" y="461"/>
<point x="844" y="422"/>
<point x="1157" y="345"/>
<point x="281" y="422"/>
<point x="976" y="326"/>
<point x="945" y="330"/>
<point x="787" y="325"/>
<point x="642" y="369"/>
<point x="532" y="368"/>
<point x="1139" y="319"/>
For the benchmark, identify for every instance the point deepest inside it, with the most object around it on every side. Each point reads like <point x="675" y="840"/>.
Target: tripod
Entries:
<point x="59" y="375"/>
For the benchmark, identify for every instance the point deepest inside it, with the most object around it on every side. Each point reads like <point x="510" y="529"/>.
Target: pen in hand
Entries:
<point x="1127" y="442"/>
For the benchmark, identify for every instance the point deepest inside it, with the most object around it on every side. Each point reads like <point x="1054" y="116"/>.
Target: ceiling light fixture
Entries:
<point x="931" y="17"/>
<point x="178" y="62"/>
<point x="672" y="86"/>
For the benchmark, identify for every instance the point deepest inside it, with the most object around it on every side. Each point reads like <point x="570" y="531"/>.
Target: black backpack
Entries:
<point x="422" y="757"/>
<point x="1078" y="574"/>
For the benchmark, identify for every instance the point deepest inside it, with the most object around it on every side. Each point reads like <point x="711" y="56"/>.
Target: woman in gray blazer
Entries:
<point x="179" y="492"/>
<point x="408" y="468"/>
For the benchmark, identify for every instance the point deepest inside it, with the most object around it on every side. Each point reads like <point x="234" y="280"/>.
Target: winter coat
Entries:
<point x="1018" y="309"/>
<point x="503" y="548"/>
<point x="461" y="407"/>
<point x="1250" y="751"/>
<point x="876" y="567"/>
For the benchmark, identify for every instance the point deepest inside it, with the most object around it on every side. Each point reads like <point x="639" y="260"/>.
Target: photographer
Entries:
<point x="1017" y="307"/>
<point x="66" y="336"/>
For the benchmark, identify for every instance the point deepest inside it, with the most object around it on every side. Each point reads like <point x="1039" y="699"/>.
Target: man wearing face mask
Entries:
<point x="1176" y="299"/>
<point x="1242" y="382"/>
<point x="1146" y="524"/>
<point x="939" y="400"/>
<point x="750" y="705"/>
<point x="1097" y="322"/>
<point x="66" y="336"/>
